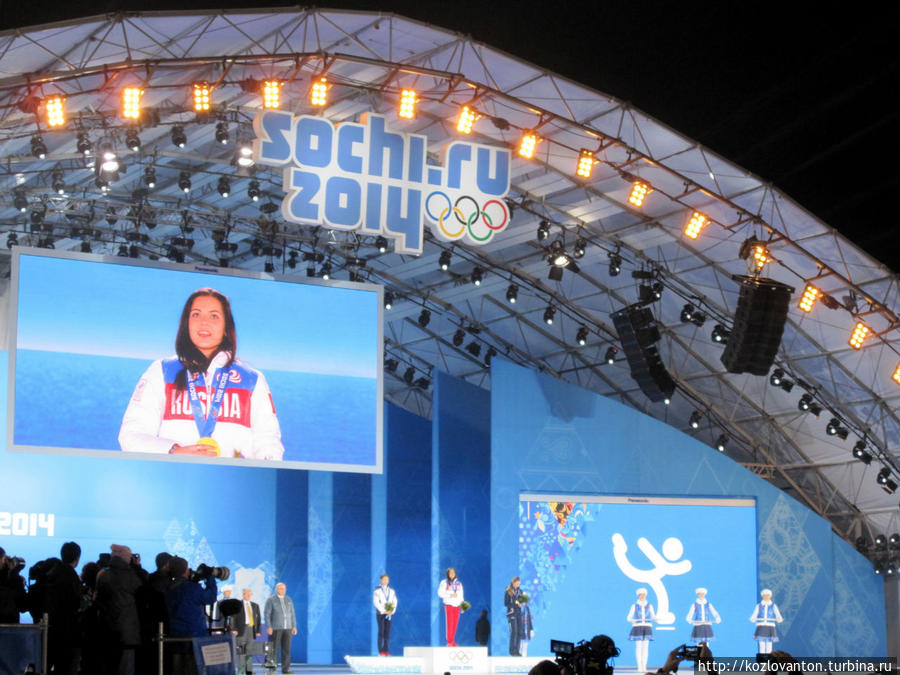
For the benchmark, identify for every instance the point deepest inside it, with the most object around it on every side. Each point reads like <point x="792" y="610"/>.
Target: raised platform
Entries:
<point x="470" y="660"/>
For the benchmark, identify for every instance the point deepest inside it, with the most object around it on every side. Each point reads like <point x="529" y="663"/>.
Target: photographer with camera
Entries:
<point x="118" y="585"/>
<point x="186" y="601"/>
<point x="585" y="658"/>
<point x="13" y="597"/>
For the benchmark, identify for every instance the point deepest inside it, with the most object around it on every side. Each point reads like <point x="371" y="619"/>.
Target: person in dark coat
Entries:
<point x="13" y="596"/>
<point x="117" y="589"/>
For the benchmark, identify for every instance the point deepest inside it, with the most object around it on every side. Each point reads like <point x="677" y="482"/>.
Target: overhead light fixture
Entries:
<point x="639" y="192"/>
<point x="528" y="144"/>
<point x="38" y="148"/>
<point x="549" y="313"/>
<point x="558" y="256"/>
<point x="409" y="375"/>
<point x="131" y="102"/>
<point x="109" y="160"/>
<point x="253" y="190"/>
<point x="695" y="225"/>
<point x="466" y="120"/>
<point x="388" y="299"/>
<point x="615" y="264"/>
<point x="860" y="452"/>
<point x="610" y="356"/>
<point x="292" y="260"/>
<point x="201" y="97"/>
<point x="111" y="217"/>
<point x="222" y="135"/>
<point x="778" y="379"/>
<point x="555" y="273"/>
<point x="690" y="314"/>
<point x="424" y="317"/>
<point x="318" y="93"/>
<point x="756" y="253"/>
<point x="224" y="186"/>
<point x="582" y="336"/>
<point x="458" y="337"/>
<point x="477" y="276"/>
<point x="20" y="201"/>
<point x="808" y="404"/>
<point x="885" y="481"/>
<point x="444" y="260"/>
<point x="585" y="164"/>
<point x="512" y="294"/>
<point x="55" y="111"/>
<point x="325" y="272"/>
<point x="59" y="186"/>
<point x="150" y="176"/>
<point x="408" y="101"/>
<point x="721" y="442"/>
<point x="474" y="348"/>
<point x="381" y="243"/>
<point x="491" y="353"/>
<point x="809" y="297"/>
<point x="896" y="376"/>
<point x="720" y="334"/>
<point x="101" y="183"/>
<point x="84" y="144"/>
<point x="543" y="230"/>
<point x="580" y="248"/>
<point x="132" y="140"/>
<point x="894" y="541"/>
<point x="648" y="293"/>
<point x="694" y="420"/>
<point x="835" y="428"/>
<point x="179" y="138"/>
<point x="860" y="332"/>
<point x="271" y="93"/>
<point x="184" y="181"/>
<point x="245" y="154"/>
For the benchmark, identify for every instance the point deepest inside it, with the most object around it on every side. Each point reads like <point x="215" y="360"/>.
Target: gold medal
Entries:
<point x="211" y="443"/>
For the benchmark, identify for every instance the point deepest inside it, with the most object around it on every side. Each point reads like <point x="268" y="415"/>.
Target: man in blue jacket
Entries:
<point x="186" y="601"/>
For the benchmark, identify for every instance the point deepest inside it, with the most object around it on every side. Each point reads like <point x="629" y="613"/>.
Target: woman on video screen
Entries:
<point x="203" y="401"/>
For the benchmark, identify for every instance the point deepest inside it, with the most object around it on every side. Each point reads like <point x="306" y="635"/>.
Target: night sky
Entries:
<point x="805" y="100"/>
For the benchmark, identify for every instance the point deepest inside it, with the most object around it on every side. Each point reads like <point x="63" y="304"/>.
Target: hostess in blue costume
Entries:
<point x="701" y="616"/>
<point x="765" y="616"/>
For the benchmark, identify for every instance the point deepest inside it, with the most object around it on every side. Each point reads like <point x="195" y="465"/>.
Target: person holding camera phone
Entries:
<point x="641" y="616"/>
<point x="701" y="616"/>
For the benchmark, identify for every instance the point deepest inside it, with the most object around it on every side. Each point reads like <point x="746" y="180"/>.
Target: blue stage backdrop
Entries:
<point x="550" y="437"/>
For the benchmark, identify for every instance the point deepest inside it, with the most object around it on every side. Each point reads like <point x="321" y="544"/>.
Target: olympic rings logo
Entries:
<point x="460" y="657"/>
<point x="481" y="221"/>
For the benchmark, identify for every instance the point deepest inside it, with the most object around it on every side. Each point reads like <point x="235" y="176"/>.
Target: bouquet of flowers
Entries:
<point x="523" y="598"/>
<point x="388" y="607"/>
<point x="465" y="606"/>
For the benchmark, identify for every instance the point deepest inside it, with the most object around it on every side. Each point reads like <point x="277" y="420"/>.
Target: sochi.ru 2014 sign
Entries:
<point x="364" y="177"/>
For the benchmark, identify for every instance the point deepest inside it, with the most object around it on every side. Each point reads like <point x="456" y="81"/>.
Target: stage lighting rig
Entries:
<point x="477" y="276"/>
<point x="179" y="138"/>
<point x="615" y="264"/>
<point x="491" y="353"/>
<point x="474" y="348"/>
<point x="808" y="404"/>
<point x="549" y="313"/>
<point x="59" y="186"/>
<point x="880" y="542"/>
<point x="695" y="225"/>
<point x="458" y="337"/>
<point x="222" y="135"/>
<point x="20" y="201"/>
<point x="528" y="145"/>
<point x="83" y="145"/>
<point x="444" y="260"/>
<point x="38" y="148"/>
<point x="326" y="271"/>
<point x="224" y="186"/>
<point x="409" y="375"/>
<point x="835" y="428"/>
<point x="132" y="140"/>
<point x="543" y="230"/>
<point x="778" y="379"/>
<point x="585" y="164"/>
<point x="690" y="314"/>
<point x="184" y="181"/>
<point x="466" y="120"/>
<point x="512" y="294"/>
<point x="861" y="453"/>
<point x="407" y="107"/>
<point x="694" y="420"/>
<point x="580" y="248"/>
<point x="150" y="176"/>
<point x="390" y="365"/>
<point x="253" y="190"/>
<point x="424" y="317"/>
<point x="720" y="334"/>
<point x="582" y="335"/>
<point x="885" y="481"/>
<point x="610" y="356"/>
<point x="721" y="442"/>
<point x="381" y="243"/>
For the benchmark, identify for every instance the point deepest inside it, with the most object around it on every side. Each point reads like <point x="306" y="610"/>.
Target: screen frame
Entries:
<point x="213" y="271"/>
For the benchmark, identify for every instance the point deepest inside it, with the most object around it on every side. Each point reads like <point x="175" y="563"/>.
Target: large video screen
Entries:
<point x="583" y="558"/>
<point x="115" y="358"/>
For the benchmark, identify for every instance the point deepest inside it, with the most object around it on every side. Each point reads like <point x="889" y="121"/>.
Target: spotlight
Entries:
<point x="409" y="375"/>
<point x="808" y="404"/>
<point x="695" y="225"/>
<point x="896" y="376"/>
<point x="224" y="186"/>
<point x="549" y="314"/>
<point x="582" y="335"/>
<point x="834" y="428"/>
<point x="885" y="481"/>
<point x="639" y="192"/>
<point x="85" y="246"/>
<point x="650" y="293"/>
<point x="222" y="135"/>
<point x="391" y="365"/>
<point x="84" y="144"/>
<point x="512" y="294"/>
<point x="491" y="353"/>
<point x="269" y="267"/>
<point x="879" y="567"/>
<point x="38" y="149"/>
<point x="528" y="144"/>
<point x="12" y="239"/>
<point x="615" y="264"/>
<point x="555" y="273"/>
<point x="477" y="276"/>
<point x="585" y="164"/>
<point x="809" y="297"/>
<point x="245" y="154"/>
<point x="271" y="94"/>
<point x="179" y="138"/>
<point x="318" y="94"/>
<point x="109" y="160"/>
<point x="610" y="356"/>
<point x="862" y="545"/>
<point x="720" y="334"/>
<point x="150" y="176"/>
<point x="55" y="111"/>
<point x="558" y="255"/>
<point x="184" y="181"/>
<point x="860" y="453"/>
<point x="381" y="243"/>
<point x="59" y="187"/>
<point x="890" y="567"/>
<point x="424" y="317"/>
<point x="894" y="541"/>
<point x="101" y="183"/>
<point x="326" y="271"/>
<point x="132" y="140"/>
<point x="466" y="120"/>
<point x="20" y="201"/>
<point x="880" y="542"/>
<point x="860" y="333"/>
<point x="111" y="217"/>
<point x="292" y="261"/>
<point x="131" y="102"/>
<point x="458" y="337"/>
<point x="474" y="348"/>
<point x="444" y="260"/>
<point x="580" y="248"/>
<point x="422" y="382"/>
<point x="721" y="442"/>
<point x="253" y="190"/>
<point x="694" y="420"/>
<point x="543" y="230"/>
<point x="408" y="100"/>
<point x="201" y="97"/>
<point x="690" y="314"/>
<point x="756" y="253"/>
